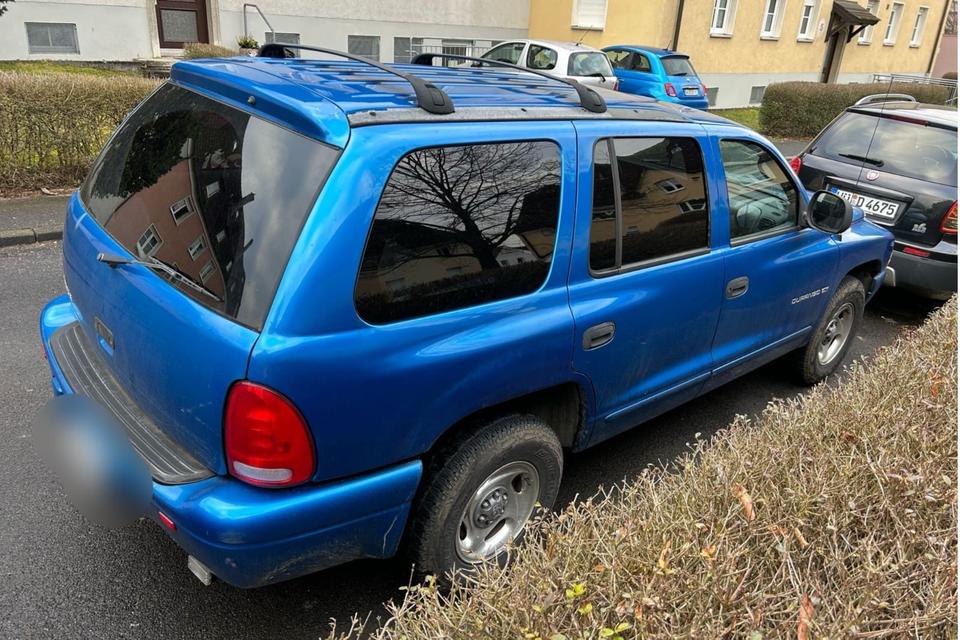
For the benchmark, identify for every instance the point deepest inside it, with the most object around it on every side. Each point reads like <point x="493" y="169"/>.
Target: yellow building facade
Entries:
<point x="741" y="46"/>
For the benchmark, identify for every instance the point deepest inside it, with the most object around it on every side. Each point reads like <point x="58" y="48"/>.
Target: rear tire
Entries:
<point x="474" y="501"/>
<point x="834" y="334"/>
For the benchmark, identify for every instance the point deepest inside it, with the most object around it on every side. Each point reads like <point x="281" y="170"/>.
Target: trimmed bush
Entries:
<point x="835" y="515"/>
<point x="53" y="125"/>
<point x="201" y="50"/>
<point x="803" y="109"/>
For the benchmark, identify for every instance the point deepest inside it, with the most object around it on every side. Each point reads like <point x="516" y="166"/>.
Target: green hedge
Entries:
<point x="831" y="516"/>
<point x="53" y="125"/>
<point x="803" y="109"/>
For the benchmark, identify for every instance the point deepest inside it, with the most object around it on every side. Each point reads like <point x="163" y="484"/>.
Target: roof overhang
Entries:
<point x="847" y="13"/>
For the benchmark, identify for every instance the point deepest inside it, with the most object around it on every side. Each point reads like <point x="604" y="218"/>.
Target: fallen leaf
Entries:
<point x="800" y="539"/>
<point x="740" y="493"/>
<point x="805" y="617"/>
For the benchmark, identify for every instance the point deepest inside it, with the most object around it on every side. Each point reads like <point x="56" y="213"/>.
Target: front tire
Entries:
<point x="834" y="334"/>
<point x="481" y="491"/>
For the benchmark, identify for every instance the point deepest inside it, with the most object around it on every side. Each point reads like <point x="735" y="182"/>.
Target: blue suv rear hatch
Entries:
<point x="198" y="205"/>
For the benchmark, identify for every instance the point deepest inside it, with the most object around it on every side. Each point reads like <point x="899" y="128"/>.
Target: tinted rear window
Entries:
<point x="589" y="63"/>
<point x="902" y="148"/>
<point x="214" y="192"/>
<point x="678" y="66"/>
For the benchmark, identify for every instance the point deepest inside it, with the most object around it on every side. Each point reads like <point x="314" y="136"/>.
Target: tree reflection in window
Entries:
<point x="460" y="226"/>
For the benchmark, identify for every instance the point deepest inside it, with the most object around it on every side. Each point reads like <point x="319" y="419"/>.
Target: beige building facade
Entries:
<point x="739" y="47"/>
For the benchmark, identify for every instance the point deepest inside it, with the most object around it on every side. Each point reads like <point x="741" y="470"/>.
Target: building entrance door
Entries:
<point x="180" y="22"/>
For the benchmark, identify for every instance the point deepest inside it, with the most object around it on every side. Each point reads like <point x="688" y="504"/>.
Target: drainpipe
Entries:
<point x="936" y="45"/>
<point x="676" y="26"/>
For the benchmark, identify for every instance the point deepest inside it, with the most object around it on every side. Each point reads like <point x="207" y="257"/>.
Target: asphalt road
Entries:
<point x="61" y="577"/>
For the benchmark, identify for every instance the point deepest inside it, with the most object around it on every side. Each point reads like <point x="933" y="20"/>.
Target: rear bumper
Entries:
<point x="251" y="537"/>
<point x="930" y="275"/>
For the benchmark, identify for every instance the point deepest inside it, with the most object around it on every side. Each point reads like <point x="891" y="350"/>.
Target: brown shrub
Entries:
<point x="53" y="125"/>
<point x="835" y="515"/>
<point x="803" y="109"/>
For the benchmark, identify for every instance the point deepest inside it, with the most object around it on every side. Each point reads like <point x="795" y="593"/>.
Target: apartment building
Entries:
<point x="124" y="30"/>
<point x="739" y="47"/>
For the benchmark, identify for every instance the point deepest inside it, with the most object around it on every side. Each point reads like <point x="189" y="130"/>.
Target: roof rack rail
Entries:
<point x="589" y="99"/>
<point x="430" y="97"/>
<point x="884" y="97"/>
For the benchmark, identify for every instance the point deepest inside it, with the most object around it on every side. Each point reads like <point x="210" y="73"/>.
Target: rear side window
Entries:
<point x="460" y="226"/>
<point x="212" y="191"/>
<point x="894" y="146"/>
<point x="677" y="66"/>
<point x="542" y="58"/>
<point x="589" y="63"/>
<point x="649" y="201"/>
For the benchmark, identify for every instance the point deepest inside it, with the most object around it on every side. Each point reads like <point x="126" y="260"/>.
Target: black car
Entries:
<point x="898" y="162"/>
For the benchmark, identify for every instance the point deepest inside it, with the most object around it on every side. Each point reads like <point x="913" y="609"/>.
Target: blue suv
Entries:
<point x="658" y="73"/>
<point x="339" y="310"/>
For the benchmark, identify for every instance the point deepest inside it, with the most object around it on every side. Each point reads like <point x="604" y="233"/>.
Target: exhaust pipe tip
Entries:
<point x="200" y="570"/>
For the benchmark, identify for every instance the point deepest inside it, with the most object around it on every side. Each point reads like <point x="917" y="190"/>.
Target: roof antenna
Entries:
<point x="582" y="36"/>
<point x="876" y="126"/>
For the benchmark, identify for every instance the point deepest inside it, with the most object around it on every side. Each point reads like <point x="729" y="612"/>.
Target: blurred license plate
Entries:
<point x="691" y="91"/>
<point x="874" y="206"/>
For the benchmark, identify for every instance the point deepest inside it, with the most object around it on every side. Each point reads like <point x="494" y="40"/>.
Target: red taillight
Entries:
<point x="616" y="84"/>
<point x="267" y="440"/>
<point x="670" y="89"/>
<point x="167" y="522"/>
<point x="949" y="224"/>
<point x="795" y="163"/>
<point x="916" y="252"/>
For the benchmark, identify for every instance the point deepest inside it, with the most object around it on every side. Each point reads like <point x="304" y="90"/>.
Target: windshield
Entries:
<point x="902" y="148"/>
<point x="589" y="63"/>
<point x="213" y="192"/>
<point x="677" y="66"/>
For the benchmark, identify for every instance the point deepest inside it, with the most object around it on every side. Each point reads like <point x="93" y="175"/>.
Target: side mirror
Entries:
<point x="829" y="212"/>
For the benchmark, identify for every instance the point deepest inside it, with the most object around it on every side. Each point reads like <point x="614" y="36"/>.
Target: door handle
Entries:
<point x="598" y="335"/>
<point x="737" y="287"/>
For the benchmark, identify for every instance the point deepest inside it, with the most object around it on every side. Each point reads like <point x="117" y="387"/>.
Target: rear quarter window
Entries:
<point x="215" y="192"/>
<point x="589" y="63"/>
<point x="460" y="226"/>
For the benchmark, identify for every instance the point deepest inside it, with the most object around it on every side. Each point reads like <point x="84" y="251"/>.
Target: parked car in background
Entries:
<point x="897" y="160"/>
<point x="317" y="357"/>
<point x="658" y="73"/>
<point x="562" y="59"/>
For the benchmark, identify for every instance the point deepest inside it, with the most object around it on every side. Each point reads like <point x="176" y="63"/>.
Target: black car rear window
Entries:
<point x="213" y="192"/>
<point x="677" y="66"/>
<point x="893" y="146"/>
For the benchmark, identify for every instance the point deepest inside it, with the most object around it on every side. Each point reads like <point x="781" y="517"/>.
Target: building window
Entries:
<point x="149" y="243"/>
<point x="756" y="94"/>
<point x="712" y="96"/>
<point x="866" y="36"/>
<point x="181" y="209"/>
<point x="589" y="14"/>
<point x="644" y="223"/>
<point x="366" y="46"/>
<point x="406" y="49"/>
<point x="723" y="15"/>
<point x="196" y="247"/>
<point x="808" y="19"/>
<point x="918" y="25"/>
<point x="280" y="37"/>
<point x="52" y="37"/>
<point x="893" y="24"/>
<point x="427" y="253"/>
<point x="206" y="271"/>
<point x="772" y="18"/>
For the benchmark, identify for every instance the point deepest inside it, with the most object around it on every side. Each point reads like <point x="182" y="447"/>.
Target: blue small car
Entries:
<point x="338" y="310"/>
<point x="658" y="73"/>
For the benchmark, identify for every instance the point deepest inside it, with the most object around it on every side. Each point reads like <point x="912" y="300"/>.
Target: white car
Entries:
<point x="562" y="59"/>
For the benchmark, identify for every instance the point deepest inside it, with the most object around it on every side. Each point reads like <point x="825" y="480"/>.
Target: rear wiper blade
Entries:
<point x="853" y="156"/>
<point x="113" y="260"/>
<point x="597" y="74"/>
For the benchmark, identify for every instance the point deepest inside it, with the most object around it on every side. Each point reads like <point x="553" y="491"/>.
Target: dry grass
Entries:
<point x="834" y="515"/>
<point x="200" y="50"/>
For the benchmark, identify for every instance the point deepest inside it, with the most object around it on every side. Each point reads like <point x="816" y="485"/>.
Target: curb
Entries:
<point x="12" y="237"/>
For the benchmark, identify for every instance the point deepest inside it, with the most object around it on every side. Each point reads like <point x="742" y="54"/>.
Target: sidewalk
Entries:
<point x="27" y="220"/>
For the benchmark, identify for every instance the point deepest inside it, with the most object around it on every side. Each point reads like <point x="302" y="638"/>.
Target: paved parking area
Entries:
<point x="63" y="578"/>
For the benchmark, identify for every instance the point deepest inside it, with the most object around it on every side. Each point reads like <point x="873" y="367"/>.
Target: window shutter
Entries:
<point x="589" y="14"/>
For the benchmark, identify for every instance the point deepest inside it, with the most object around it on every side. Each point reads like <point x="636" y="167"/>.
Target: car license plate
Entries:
<point x="873" y="206"/>
<point x="690" y="91"/>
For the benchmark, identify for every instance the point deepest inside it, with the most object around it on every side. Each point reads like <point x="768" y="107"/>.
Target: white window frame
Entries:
<point x="152" y="229"/>
<point x="182" y="203"/>
<point x="893" y="24"/>
<point x="775" y="18"/>
<point x="577" y="20"/>
<point x="866" y="36"/>
<point x="729" y="8"/>
<point x="197" y="247"/>
<point x="807" y="34"/>
<point x="919" y="25"/>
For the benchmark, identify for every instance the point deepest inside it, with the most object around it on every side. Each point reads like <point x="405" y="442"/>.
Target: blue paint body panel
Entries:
<point x="377" y="397"/>
<point x="651" y="83"/>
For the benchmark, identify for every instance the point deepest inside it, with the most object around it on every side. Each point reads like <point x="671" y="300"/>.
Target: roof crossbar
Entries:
<point x="589" y="99"/>
<point x="430" y="97"/>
